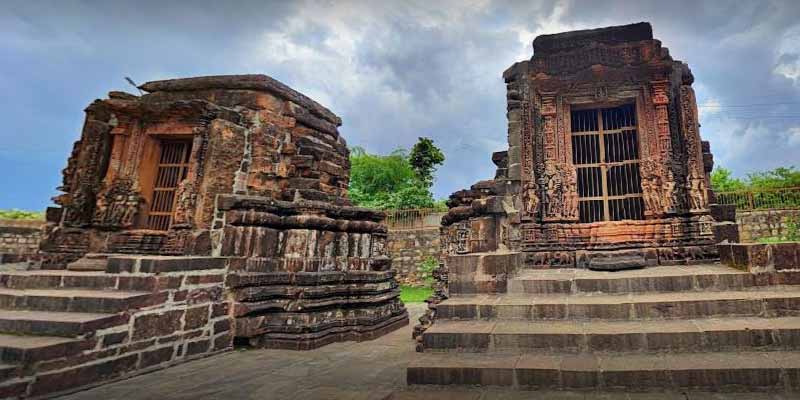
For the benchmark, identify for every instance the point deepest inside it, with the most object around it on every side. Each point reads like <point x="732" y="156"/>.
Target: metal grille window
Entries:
<point x="605" y="151"/>
<point x="172" y="167"/>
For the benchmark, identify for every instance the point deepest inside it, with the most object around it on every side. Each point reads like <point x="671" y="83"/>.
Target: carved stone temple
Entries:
<point x="590" y="261"/>
<point x="207" y="212"/>
<point x="605" y="159"/>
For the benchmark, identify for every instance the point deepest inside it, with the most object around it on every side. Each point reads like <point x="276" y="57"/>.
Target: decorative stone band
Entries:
<point x="255" y="204"/>
<point x="307" y="310"/>
<point x="309" y="273"/>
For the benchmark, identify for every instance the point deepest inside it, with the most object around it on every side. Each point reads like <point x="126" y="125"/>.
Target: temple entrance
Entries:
<point x="605" y="152"/>
<point x="172" y="167"/>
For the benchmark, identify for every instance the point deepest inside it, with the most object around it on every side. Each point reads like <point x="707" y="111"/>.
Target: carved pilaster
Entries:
<point x="660" y="99"/>
<point x="697" y="199"/>
<point x="530" y="189"/>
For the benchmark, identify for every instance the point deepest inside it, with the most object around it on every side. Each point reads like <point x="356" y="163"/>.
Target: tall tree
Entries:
<point x="424" y="159"/>
<point x="386" y="182"/>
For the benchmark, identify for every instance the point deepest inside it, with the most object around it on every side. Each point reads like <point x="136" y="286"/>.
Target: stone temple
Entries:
<point x="207" y="212"/>
<point x="605" y="164"/>
<point x="590" y="261"/>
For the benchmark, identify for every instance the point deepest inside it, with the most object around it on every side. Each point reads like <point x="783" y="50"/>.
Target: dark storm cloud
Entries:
<point x="393" y="70"/>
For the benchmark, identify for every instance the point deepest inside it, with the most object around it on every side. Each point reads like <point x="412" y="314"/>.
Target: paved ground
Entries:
<point x="367" y="370"/>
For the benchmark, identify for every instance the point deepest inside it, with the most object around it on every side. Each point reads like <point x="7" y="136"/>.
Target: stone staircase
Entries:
<point x="62" y="330"/>
<point x="667" y="328"/>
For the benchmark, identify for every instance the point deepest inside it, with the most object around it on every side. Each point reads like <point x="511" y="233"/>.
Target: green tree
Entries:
<point x="424" y="159"/>
<point x="780" y="177"/>
<point x="386" y="182"/>
<point x="722" y="180"/>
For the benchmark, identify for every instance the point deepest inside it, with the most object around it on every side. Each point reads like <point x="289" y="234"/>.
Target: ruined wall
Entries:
<point x="754" y="225"/>
<point x="19" y="238"/>
<point x="408" y="248"/>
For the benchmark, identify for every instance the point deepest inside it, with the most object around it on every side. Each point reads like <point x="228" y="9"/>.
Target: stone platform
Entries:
<point x="669" y="328"/>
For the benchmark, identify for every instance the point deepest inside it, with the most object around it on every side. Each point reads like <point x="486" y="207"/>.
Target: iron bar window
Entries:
<point x="605" y="151"/>
<point x="173" y="165"/>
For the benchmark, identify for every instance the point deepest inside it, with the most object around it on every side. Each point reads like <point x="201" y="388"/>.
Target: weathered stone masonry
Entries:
<point x="207" y="212"/>
<point x="408" y="248"/>
<point x="19" y="239"/>
<point x="754" y="225"/>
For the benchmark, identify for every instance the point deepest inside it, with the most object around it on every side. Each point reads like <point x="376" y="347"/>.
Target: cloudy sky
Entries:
<point x="392" y="70"/>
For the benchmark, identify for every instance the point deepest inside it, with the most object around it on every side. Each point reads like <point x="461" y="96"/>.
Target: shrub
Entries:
<point x="425" y="270"/>
<point x="21" y="214"/>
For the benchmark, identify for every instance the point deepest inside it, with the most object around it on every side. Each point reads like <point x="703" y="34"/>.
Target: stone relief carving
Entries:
<point x="560" y="200"/>
<point x="118" y="206"/>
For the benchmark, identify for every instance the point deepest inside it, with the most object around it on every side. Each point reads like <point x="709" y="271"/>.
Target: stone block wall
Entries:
<point x="761" y="257"/>
<point x="761" y="224"/>
<point x="409" y="248"/>
<point x="160" y="311"/>
<point x="19" y="238"/>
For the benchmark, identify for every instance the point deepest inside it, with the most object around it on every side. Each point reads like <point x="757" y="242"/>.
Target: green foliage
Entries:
<point x="424" y="158"/>
<point x="21" y="214"/>
<point x="411" y="294"/>
<point x="782" y="177"/>
<point x="386" y="182"/>
<point x="425" y="270"/>
<point x="792" y="233"/>
<point x="777" y="178"/>
<point x="793" y="230"/>
<point x="440" y="205"/>
<point x="723" y="181"/>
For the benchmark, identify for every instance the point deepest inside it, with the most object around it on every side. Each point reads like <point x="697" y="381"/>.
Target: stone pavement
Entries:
<point x="367" y="370"/>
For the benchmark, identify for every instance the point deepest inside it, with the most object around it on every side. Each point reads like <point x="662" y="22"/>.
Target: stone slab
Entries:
<point x="692" y="335"/>
<point x="775" y="301"/>
<point x="730" y="371"/>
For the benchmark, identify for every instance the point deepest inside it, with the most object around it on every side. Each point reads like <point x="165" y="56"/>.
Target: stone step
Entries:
<point x="90" y="262"/>
<point x="8" y="371"/>
<point x="67" y="324"/>
<point x="22" y="349"/>
<point x="775" y="302"/>
<point x="728" y="371"/>
<point x="54" y="279"/>
<point x="699" y="335"/>
<point x="648" y="280"/>
<point x="77" y="300"/>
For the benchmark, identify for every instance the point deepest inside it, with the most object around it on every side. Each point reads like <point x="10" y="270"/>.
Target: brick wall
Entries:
<point x="409" y="248"/>
<point x="760" y="224"/>
<point x="19" y="238"/>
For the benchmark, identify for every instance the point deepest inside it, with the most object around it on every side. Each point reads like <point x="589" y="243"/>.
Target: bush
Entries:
<point x="425" y="270"/>
<point x="21" y="214"/>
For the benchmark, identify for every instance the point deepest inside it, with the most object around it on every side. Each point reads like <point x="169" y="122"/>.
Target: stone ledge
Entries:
<point x="287" y="208"/>
<point x="246" y="279"/>
<point x="243" y="82"/>
<point x="163" y="264"/>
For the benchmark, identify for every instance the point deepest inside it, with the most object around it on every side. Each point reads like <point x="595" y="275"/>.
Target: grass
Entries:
<point x="413" y="294"/>
<point x="773" y="239"/>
